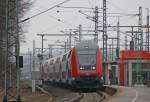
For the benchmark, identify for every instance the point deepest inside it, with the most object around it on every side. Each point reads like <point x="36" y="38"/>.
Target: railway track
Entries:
<point x="60" y="94"/>
<point x="66" y="95"/>
<point x="78" y="98"/>
<point x="101" y="94"/>
<point x="85" y="97"/>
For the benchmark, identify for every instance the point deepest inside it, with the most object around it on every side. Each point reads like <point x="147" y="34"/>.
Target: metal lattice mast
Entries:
<point x="70" y="41"/>
<point x="80" y="33"/>
<point x="6" y="53"/>
<point x="140" y="35"/>
<point x="126" y="45"/>
<point x="12" y="85"/>
<point x="17" y="50"/>
<point x="147" y="31"/>
<point x="132" y="40"/>
<point x="118" y="39"/>
<point x="96" y="24"/>
<point x="140" y="47"/>
<point x="136" y="41"/>
<point x="112" y="51"/>
<point x="104" y="32"/>
<point x="50" y="51"/>
<point x="2" y="40"/>
<point x="33" y="67"/>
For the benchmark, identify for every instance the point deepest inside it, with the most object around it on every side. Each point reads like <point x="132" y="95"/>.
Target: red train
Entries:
<point x="81" y="67"/>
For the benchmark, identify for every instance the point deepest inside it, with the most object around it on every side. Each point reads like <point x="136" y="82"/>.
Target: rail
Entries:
<point x="101" y="94"/>
<point x="77" y="99"/>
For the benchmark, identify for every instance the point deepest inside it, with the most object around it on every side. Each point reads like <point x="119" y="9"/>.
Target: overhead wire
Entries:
<point x="77" y="8"/>
<point x="67" y="7"/>
<point x="52" y="18"/>
<point x="74" y="7"/>
<point x="57" y="19"/>
<point x="44" y="11"/>
<point x="122" y="10"/>
<point x="90" y="3"/>
<point x="125" y="14"/>
<point x="113" y="28"/>
<point x="126" y="21"/>
<point x="58" y="5"/>
<point x="62" y="22"/>
<point x="90" y="26"/>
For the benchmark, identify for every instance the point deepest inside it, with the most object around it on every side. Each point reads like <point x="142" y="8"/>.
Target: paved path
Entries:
<point x="143" y="94"/>
<point x="131" y="94"/>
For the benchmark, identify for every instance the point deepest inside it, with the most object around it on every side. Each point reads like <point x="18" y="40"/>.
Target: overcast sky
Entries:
<point x="71" y="18"/>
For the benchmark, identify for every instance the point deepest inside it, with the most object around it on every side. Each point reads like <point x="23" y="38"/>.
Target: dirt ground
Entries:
<point x="1" y="94"/>
<point x="28" y="96"/>
<point x="38" y="96"/>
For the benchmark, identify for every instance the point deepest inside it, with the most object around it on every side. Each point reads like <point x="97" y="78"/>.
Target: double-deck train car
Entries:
<point x="81" y="67"/>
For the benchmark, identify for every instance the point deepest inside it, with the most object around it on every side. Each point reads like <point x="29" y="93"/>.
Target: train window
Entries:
<point x="89" y="51"/>
<point x="51" y="62"/>
<point x="46" y="64"/>
<point x="58" y="60"/>
<point x="87" y="57"/>
<point x="69" y="54"/>
<point x="64" y="58"/>
<point x="53" y="68"/>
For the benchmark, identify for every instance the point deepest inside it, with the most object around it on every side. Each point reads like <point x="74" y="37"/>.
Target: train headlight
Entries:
<point x="81" y="68"/>
<point x="93" y="68"/>
<point x="73" y="78"/>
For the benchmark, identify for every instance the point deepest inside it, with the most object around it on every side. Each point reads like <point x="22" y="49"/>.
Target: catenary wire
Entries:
<point x="44" y="11"/>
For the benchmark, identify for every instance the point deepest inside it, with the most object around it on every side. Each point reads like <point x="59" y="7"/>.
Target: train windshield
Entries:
<point x="87" y="57"/>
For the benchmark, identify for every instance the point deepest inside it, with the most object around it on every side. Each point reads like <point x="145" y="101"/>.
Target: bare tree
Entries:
<point x="23" y="6"/>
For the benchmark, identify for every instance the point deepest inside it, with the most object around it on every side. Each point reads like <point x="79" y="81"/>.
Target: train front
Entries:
<point x="87" y="68"/>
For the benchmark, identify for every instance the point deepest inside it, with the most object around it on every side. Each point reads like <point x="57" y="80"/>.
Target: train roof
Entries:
<point x="55" y="58"/>
<point x="87" y="44"/>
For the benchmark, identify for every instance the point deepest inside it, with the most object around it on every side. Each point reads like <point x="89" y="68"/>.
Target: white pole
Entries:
<point x="33" y="70"/>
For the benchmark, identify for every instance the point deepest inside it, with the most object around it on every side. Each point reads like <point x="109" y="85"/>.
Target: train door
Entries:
<point x="57" y="69"/>
<point x="148" y="78"/>
<point x="136" y="73"/>
<point x="51" y="70"/>
<point x="141" y="73"/>
<point x="68" y="68"/>
<point x="63" y="65"/>
<point x="146" y="74"/>
<point x="115" y="73"/>
<point x="53" y="74"/>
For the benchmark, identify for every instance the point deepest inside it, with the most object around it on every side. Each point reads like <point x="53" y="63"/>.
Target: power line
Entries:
<point x="90" y="3"/>
<point x="116" y="6"/>
<point x="60" y="20"/>
<point x="44" y="11"/>
<point x="108" y="25"/>
<point x="75" y="7"/>
<point x="90" y="25"/>
<point x="124" y="14"/>
<point x="63" y="22"/>
<point x="127" y="21"/>
<point x="57" y="19"/>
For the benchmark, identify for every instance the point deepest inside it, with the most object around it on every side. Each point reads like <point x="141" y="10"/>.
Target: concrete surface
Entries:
<point x="131" y="94"/>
